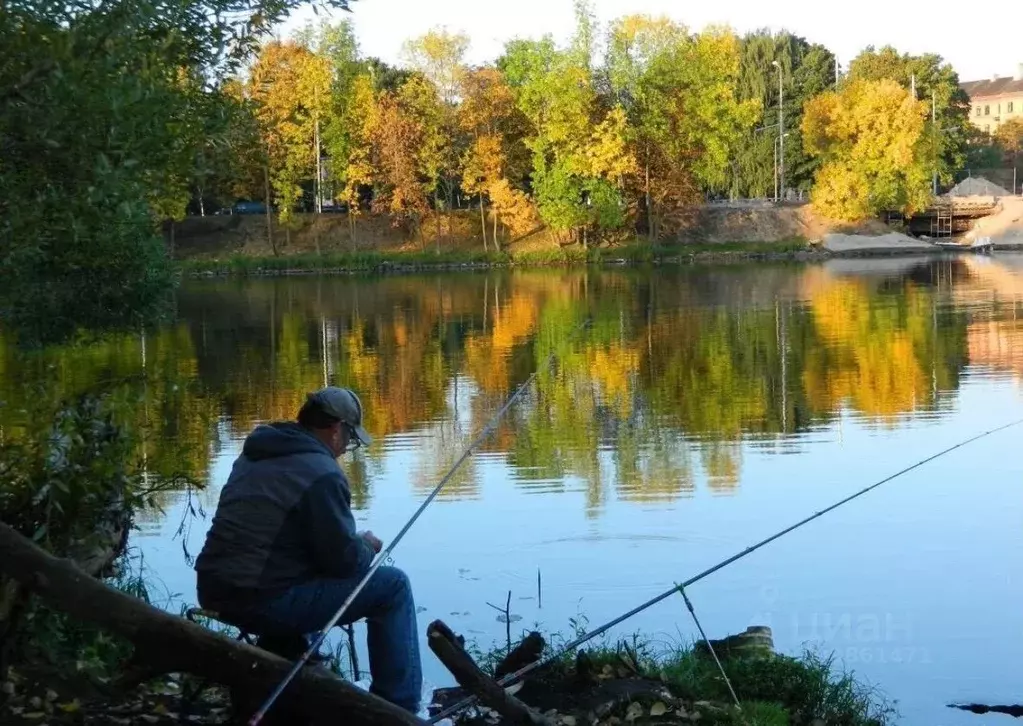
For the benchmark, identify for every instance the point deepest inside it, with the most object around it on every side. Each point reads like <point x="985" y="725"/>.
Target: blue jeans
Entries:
<point x="387" y="605"/>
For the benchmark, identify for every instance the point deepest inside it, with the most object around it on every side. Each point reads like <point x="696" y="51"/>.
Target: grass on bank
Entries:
<point x="776" y="690"/>
<point x="636" y="253"/>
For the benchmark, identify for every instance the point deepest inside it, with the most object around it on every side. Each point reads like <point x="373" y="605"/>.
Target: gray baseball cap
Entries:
<point x="343" y="404"/>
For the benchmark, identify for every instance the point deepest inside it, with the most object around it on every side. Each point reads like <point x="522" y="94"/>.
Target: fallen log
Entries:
<point x="446" y="646"/>
<point x="173" y="645"/>
<point x="979" y="708"/>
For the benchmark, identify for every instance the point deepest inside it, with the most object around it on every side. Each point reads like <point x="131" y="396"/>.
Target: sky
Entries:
<point x="978" y="44"/>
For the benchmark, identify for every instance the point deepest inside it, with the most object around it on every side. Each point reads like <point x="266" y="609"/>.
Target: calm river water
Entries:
<point x="703" y="409"/>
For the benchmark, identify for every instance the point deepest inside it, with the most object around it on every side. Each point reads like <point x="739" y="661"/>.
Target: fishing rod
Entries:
<point x="515" y="677"/>
<point x="386" y="553"/>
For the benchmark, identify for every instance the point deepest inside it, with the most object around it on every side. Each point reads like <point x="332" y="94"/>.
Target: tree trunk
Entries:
<point x="436" y="210"/>
<point x="170" y="244"/>
<point x="446" y="646"/>
<point x="269" y="209"/>
<point x="170" y="644"/>
<point x="649" y="206"/>
<point x="483" y="223"/>
<point x="496" y="246"/>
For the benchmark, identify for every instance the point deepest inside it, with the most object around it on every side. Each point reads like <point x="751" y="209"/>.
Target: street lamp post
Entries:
<point x="781" y="133"/>
<point x="776" y="147"/>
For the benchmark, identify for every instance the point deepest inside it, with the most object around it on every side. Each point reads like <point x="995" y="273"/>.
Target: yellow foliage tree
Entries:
<point x="362" y="115"/>
<point x="495" y="153"/>
<point x="291" y="88"/>
<point x="607" y="155"/>
<point x="870" y="137"/>
<point x="438" y="55"/>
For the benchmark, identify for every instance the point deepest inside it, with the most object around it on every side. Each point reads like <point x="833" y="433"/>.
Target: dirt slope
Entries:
<point x="1004" y="227"/>
<point x="766" y="223"/>
<point x="217" y="237"/>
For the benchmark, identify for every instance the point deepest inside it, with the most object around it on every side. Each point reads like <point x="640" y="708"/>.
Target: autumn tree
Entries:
<point x="290" y="86"/>
<point x="496" y="158"/>
<point x="871" y="142"/>
<point x="439" y="56"/>
<point x="407" y="141"/>
<point x="352" y="158"/>
<point x="935" y="83"/>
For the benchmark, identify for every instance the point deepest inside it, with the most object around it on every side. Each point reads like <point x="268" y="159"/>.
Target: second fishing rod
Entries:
<point x="386" y="553"/>
<point x="513" y="678"/>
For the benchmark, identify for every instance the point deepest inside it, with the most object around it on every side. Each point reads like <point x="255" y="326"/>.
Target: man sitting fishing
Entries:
<point x="283" y="554"/>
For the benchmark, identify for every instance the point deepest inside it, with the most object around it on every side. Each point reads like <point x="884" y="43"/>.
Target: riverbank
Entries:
<point x="326" y="243"/>
<point x="627" y="682"/>
<point x="416" y="261"/>
<point x="717" y="234"/>
<point x="381" y="262"/>
<point x="640" y="681"/>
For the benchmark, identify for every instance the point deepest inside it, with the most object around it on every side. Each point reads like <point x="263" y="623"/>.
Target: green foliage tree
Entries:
<point x="806" y="71"/>
<point x="386" y="77"/>
<point x="580" y="157"/>
<point x="982" y="151"/>
<point x="686" y="119"/>
<point x="340" y="137"/>
<point x="239" y="156"/>
<point x="1009" y="139"/>
<point x="98" y="140"/>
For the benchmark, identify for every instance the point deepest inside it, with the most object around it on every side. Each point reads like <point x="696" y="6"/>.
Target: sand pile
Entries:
<point x="893" y="242"/>
<point x="1004" y="227"/>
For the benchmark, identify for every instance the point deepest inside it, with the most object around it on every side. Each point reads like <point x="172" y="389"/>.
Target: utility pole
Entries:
<point x="934" y="125"/>
<point x="781" y="133"/>
<point x="774" y="150"/>
<point x="319" y="175"/>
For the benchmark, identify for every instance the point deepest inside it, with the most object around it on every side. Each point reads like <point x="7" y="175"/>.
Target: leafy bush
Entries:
<point x="70" y="483"/>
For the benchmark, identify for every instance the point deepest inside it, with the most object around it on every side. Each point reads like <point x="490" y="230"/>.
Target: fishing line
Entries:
<point x="386" y="553"/>
<point x="515" y="677"/>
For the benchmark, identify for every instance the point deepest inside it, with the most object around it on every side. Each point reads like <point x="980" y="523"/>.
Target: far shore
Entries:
<point x="631" y="255"/>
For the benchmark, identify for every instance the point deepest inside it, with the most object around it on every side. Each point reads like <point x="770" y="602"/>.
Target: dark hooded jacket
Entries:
<point x="284" y="518"/>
